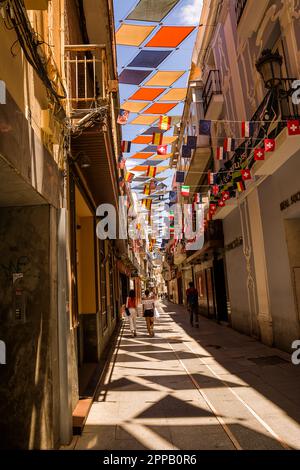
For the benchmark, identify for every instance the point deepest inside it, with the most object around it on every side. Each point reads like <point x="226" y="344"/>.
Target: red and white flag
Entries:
<point x="126" y="146"/>
<point x="229" y="144"/>
<point x="246" y="175"/>
<point x="247" y="129"/>
<point x="269" y="145"/>
<point x="225" y="195"/>
<point x="221" y="203"/>
<point x="215" y="189"/>
<point x="259" y="154"/>
<point x="294" y="127"/>
<point x="162" y="150"/>
<point x="220" y="153"/>
<point x="123" y="116"/>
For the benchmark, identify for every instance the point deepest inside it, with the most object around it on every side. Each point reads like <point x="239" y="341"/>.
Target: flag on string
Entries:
<point x="204" y="127"/>
<point x="247" y="129"/>
<point x="293" y="127"/>
<point x="164" y="123"/>
<point x="197" y="198"/>
<point x="157" y="138"/>
<point x="186" y="151"/>
<point x="121" y="162"/>
<point x="192" y="142"/>
<point x="173" y="196"/>
<point x="240" y="186"/>
<point x="221" y="203"/>
<point x="147" y="190"/>
<point x="123" y="116"/>
<point x="246" y="175"/>
<point x="225" y="195"/>
<point x="126" y="146"/>
<point x="211" y="178"/>
<point x="147" y="203"/>
<point x="162" y="150"/>
<point x="151" y="171"/>
<point x="212" y="208"/>
<point x="121" y="181"/>
<point x="153" y="185"/>
<point x="185" y="191"/>
<point x="129" y="177"/>
<point x="220" y="153"/>
<point x="269" y="145"/>
<point x="259" y="154"/>
<point x="229" y="144"/>
<point x="180" y="175"/>
<point x="215" y="189"/>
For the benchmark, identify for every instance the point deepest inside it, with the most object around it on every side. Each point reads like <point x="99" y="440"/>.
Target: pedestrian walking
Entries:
<point x="192" y="303"/>
<point x="131" y="311"/>
<point x="148" y="303"/>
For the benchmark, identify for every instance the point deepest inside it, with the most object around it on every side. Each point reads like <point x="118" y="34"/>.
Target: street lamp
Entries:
<point x="269" y="67"/>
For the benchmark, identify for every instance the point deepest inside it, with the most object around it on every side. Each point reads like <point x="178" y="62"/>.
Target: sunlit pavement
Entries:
<point x="188" y="388"/>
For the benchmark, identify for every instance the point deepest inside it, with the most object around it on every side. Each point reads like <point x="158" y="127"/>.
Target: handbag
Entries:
<point x="127" y="311"/>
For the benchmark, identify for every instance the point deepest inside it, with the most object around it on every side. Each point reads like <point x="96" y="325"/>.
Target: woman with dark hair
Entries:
<point x="148" y="309"/>
<point x="131" y="305"/>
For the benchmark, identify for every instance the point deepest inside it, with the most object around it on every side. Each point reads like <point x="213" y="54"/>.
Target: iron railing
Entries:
<point x="212" y="87"/>
<point x="239" y="9"/>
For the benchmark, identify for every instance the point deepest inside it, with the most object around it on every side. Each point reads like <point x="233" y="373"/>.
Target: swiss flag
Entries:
<point x="215" y="189"/>
<point x="294" y="127"/>
<point x="212" y="208"/>
<point x="259" y="154"/>
<point x="269" y="145"/>
<point x="246" y="175"/>
<point x="162" y="150"/>
<point x="225" y="195"/>
<point x="221" y="203"/>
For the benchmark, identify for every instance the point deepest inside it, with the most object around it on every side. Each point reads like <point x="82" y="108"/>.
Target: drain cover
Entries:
<point x="267" y="360"/>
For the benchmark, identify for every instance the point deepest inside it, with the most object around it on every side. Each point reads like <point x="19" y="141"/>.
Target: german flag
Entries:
<point x="164" y="123"/>
<point x="129" y="177"/>
<point x="240" y="186"/>
<point x="151" y="171"/>
<point x="157" y="138"/>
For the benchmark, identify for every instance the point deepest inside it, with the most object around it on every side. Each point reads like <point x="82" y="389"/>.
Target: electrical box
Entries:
<point x="36" y="4"/>
<point x="46" y="124"/>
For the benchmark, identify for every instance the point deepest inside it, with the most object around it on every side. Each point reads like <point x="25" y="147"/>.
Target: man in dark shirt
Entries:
<point x="192" y="302"/>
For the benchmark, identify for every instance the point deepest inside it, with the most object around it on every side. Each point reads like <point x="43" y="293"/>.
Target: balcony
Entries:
<point x="213" y="98"/>
<point x="239" y="9"/>
<point x="87" y="79"/>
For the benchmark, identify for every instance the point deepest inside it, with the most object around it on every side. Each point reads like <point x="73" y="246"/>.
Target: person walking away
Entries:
<point x="148" y="311"/>
<point x="131" y="304"/>
<point x="192" y="302"/>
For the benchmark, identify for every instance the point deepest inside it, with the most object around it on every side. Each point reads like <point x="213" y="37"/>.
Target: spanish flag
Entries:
<point x="164" y="123"/>
<point x="147" y="203"/>
<point x="129" y="177"/>
<point x="151" y="171"/>
<point x="147" y="190"/>
<point x="157" y="138"/>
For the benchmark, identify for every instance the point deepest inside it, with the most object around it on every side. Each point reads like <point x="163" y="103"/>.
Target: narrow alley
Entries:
<point x="210" y="388"/>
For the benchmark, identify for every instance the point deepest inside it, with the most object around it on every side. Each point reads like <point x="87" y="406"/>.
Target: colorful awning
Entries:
<point x="149" y="59"/>
<point x="153" y="130"/>
<point x="133" y="77"/>
<point x="170" y="36"/>
<point x="142" y="139"/>
<point x="160" y="108"/>
<point x="175" y="94"/>
<point x="142" y="156"/>
<point x="135" y="107"/>
<point x="144" y="120"/>
<point x="147" y="94"/>
<point x="164" y="78"/>
<point x="133" y="35"/>
<point x="151" y="10"/>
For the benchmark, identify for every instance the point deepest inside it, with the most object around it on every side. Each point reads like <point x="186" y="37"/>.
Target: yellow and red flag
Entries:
<point x="157" y="138"/>
<point x="147" y="190"/>
<point x="151" y="171"/>
<point x="164" y="123"/>
<point x="147" y="203"/>
<point x="129" y="177"/>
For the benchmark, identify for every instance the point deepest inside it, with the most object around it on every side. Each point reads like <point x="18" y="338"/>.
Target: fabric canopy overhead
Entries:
<point x="162" y="157"/>
<point x="148" y="94"/>
<point x="170" y="36"/>
<point x="153" y="162"/>
<point x="149" y="59"/>
<point x="142" y="156"/>
<point x="167" y="140"/>
<point x="133" y="77"/>
<point x="132" y="35"/>
<point x="160" y="108"/>
<point x="164" y="78"/>
<point x="150" y="148"/>
<point x="134" y="107"/>
<point x="142" y="139"/>
<point x="151" y="10"/>
<point x="176" y="94"/>
<point x="144" y="120"/>
<point x="153" y="130"/>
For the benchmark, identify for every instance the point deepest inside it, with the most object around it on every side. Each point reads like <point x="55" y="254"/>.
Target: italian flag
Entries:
<point x="185" y="191"/>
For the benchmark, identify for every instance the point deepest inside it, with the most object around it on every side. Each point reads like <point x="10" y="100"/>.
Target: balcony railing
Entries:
<point x="86" y="75"/>
<point x="239" y="9"/>
<point x="212" y="87"/>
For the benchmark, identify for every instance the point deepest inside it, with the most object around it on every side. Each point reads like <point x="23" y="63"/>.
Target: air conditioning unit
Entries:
<point x="36" y="4"/>
<point x="46" y="121"/>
